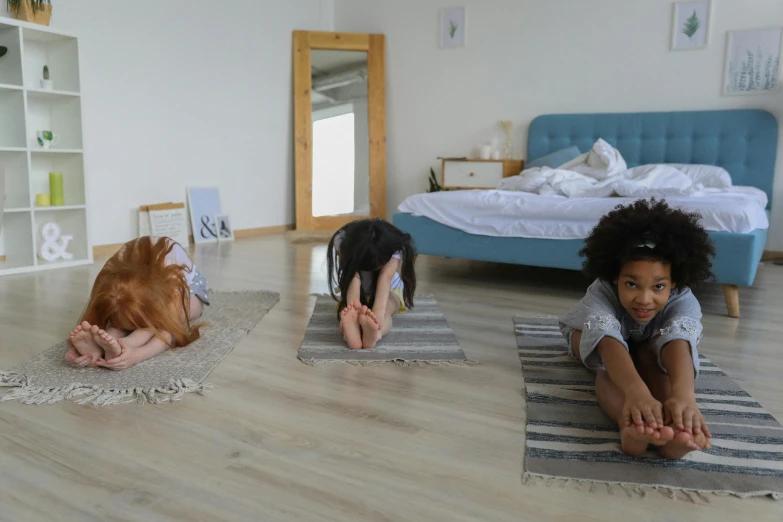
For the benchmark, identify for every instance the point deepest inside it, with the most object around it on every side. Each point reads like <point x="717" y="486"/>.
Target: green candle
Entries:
<point x="56" y="188"/>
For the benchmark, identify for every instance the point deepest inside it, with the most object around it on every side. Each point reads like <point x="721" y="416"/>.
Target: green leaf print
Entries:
<point x="691" y="25"/>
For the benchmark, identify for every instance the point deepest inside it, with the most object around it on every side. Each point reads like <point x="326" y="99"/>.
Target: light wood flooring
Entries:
<point x="278" y="440"/>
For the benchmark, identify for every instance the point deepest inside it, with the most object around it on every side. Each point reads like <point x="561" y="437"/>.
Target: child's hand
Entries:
<point x="685" y="414"/>
<point x="641" y="408"/>
<point x="125" y="360"/>
<point x="75" y="360"/>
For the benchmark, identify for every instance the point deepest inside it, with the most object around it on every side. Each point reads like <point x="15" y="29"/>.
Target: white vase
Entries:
<point x="46" y="85"/>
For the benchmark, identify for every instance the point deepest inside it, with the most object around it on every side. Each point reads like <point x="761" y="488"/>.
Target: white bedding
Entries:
<point x="522" y="214"/>
<point x="602" y="173"/>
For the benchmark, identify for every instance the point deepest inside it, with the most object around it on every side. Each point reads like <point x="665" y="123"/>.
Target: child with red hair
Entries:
<point x="142" y="303"/>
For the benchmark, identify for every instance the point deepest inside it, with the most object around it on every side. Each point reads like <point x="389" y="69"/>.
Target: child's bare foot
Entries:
<point x="349" y="325"/>
<point x="111" y="348"/>
<point x="683" y="443"/>
<point x="82" y="341"/>
<point x="635" y="439"/>
<point x="370" y="327"/>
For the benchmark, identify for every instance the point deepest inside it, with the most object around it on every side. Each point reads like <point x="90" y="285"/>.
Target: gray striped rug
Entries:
<point x="420" y="335"/>
<point x="570" y="439"/>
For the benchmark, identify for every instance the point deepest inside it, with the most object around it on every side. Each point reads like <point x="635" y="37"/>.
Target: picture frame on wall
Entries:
<point x="204" y="205"/>
<point x="223" y="227"/>
<point x="452" y="27"/>
<point x="753" y="61"/>
<point x="691" y="25"/>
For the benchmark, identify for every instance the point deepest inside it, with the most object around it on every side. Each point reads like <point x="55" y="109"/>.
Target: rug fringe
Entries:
<point x="12" y="379"/>
<point x="399" y="362"/>
<point x="87" y="394"/>
<point x="641" y="490"/>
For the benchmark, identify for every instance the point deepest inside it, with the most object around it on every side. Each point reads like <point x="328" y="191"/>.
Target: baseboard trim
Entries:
<point x="110" y="250"/>
<point x="309" y="236"/>
<point x="261" y="231"/>
<point x="771" y="254"/>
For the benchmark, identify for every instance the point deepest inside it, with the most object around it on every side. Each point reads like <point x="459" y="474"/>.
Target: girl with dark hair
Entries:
<point x="639" y="325"/>
<point x="371" y="276"/>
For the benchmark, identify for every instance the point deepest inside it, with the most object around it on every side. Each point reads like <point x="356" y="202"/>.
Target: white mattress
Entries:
<point x="521" y="214"/>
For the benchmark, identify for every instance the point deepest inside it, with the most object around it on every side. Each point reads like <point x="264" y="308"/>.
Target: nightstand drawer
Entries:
<point x="472" y="174"/>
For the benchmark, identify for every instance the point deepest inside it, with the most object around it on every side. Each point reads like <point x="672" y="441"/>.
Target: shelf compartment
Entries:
<point x="58" y="52"/>
<point x="12" y="118"/>
<point x="61" y="115"/>
<point x="17" y="189"/>
<point x="16" y="240"/>
<point x="11" y="63"/>
<point x="72" y="167"/>
<point x="72" y="222"/>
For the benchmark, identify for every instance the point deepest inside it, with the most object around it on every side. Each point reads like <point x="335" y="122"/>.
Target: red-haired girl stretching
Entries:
<point x="142" y="303"/>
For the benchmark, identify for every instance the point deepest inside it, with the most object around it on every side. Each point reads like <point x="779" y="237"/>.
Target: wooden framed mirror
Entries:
<point x="339" y="128"/>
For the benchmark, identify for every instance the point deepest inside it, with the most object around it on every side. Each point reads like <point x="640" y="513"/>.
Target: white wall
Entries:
<point x="179" y="93"/>
<point x="529" y="57"/>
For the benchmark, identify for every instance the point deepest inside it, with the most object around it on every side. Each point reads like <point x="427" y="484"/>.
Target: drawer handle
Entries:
<point x="472" y="174"/>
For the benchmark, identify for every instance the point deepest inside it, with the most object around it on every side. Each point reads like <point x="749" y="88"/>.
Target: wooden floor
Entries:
<point x="278" y="440"/>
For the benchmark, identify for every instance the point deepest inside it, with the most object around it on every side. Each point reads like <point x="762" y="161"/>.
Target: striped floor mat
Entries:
<point x="569" y="438"/>
<point x="419" y="336"/>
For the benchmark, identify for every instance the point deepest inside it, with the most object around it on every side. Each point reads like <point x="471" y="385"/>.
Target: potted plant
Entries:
<point x="46" y="83"/>
<point x="36" y="11"/>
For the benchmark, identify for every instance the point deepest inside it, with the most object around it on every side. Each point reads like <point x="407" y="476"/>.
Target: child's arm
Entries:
<point x="679" y="357"/>
<point x="383" y="287"/>
<point x="354" y="290"/>
<point x="681" y="404"/>
<point x="640" y="406"/>
<point x="131" y="356"/>
<point x="596" y="317"/>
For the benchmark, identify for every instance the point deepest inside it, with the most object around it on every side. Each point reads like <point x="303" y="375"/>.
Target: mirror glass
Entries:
<point x="341" y="144"/>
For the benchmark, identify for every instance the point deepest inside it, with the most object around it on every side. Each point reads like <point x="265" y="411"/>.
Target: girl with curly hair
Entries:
<point x="143" y="302"/>
<point x="639" y="325"/>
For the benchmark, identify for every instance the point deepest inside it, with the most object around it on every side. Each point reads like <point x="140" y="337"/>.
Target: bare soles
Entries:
<point x="682" y="444"/>
<point x="370" y="327"/>
<point x="671" y="445"/>
<point x="82" y="340"/>
<point x="349" y="324"/>
<point x="111" y="348"/>
<point x="360" y="326"/>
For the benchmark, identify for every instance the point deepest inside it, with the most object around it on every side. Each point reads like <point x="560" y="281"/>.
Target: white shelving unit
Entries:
<point x="24" y="109"/>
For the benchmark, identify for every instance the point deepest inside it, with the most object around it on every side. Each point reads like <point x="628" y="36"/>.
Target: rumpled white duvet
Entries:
<point x="602" y="172"/>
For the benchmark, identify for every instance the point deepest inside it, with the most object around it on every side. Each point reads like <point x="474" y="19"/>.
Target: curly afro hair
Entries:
<point x="677" y="236"/>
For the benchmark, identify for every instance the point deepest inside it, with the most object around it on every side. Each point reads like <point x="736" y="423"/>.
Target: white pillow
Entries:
<point x="708" y="176"/>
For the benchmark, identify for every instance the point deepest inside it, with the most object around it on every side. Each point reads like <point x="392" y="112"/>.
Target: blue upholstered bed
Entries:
<point x="744" y="142"/>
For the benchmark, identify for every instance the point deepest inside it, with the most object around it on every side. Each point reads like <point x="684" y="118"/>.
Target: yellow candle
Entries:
<point x="56" y="188"/>
<point x="43" y="200"/>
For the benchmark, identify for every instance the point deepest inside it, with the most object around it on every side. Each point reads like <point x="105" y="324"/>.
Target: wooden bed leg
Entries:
<point x="731" y="293"/>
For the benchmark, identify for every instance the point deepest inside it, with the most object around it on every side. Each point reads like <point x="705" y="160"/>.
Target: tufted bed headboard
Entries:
<point x="744" y="142"/>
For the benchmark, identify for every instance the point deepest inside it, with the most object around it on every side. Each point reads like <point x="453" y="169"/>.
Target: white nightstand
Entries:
<point x="477" y="174"/>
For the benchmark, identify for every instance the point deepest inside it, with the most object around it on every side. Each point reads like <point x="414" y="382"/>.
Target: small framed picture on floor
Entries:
<point x="223" y="227"/>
